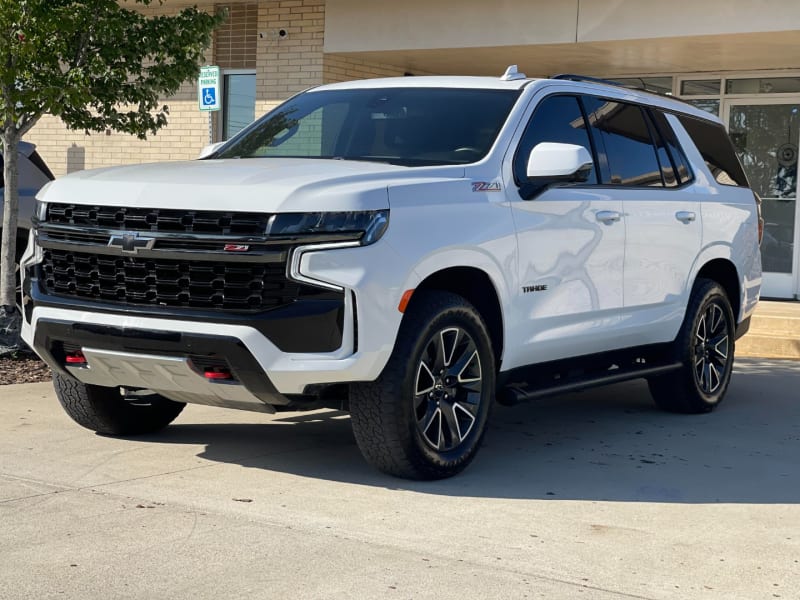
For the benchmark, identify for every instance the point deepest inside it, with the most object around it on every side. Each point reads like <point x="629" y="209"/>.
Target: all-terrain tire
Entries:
<point x="105" y="410"/>
<point x="443" y="348"/>
<point x="705" y="349"/>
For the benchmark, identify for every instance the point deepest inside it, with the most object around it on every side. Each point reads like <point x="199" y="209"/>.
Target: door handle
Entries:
<point x="686" y="216"/>
<point x="607" y="216"/>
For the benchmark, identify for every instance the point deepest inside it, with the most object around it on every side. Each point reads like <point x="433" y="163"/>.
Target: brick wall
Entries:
<point x="289" y="64"/>
<point x="338" y="68"/>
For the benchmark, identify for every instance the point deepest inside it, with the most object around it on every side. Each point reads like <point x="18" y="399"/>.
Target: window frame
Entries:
<point x="599" y="155"/>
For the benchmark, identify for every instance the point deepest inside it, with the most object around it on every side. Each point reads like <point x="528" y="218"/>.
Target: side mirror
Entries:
<point x="209" y="150"/>
<point x="559" y="162"/>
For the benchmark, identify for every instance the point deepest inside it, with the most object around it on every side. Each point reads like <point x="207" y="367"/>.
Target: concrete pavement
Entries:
<point x="590" y="495"/>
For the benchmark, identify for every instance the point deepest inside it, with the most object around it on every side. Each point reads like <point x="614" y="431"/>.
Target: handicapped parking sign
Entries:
<point x="208" y="89"/>
<point x="209" y="96"/>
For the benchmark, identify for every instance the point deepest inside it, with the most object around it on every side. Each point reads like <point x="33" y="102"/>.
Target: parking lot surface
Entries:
<point x="590" y="495"/>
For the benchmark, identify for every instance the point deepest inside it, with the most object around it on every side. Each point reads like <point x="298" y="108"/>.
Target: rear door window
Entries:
<point x="621" y="129"/>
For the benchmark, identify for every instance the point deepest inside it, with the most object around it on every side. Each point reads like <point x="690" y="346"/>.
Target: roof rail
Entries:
<point x="642" y="88"/>
<point x="572" y="77"/>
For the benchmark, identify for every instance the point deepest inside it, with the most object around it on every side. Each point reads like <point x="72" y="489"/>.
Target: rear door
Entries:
<point x="663" y="230"/>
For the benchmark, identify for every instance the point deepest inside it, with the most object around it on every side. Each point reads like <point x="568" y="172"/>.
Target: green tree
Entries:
<point x="96" y="64"/>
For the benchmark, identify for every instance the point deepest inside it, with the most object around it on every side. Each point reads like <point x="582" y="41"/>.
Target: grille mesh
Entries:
<point x="174" y="283"/>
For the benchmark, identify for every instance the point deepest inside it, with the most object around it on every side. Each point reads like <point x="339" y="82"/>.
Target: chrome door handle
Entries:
<point x="607" y="216"/>
<point x="685" y="215"/>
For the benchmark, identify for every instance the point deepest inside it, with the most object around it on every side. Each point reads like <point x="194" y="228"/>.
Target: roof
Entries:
<point x="496" y="83"/>
<point x="444" y="81"/>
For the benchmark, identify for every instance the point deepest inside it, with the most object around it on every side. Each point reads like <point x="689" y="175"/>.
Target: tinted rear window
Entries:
<point x="716" y="149"/>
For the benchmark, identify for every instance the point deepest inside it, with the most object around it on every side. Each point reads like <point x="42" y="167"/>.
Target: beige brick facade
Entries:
<point x="284" y="66"/>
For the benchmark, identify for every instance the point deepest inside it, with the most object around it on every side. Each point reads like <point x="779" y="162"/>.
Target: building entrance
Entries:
<point x="766" y="134"/>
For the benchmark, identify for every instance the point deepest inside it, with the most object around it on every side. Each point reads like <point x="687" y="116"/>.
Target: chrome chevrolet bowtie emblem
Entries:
<point x="131" y="243"/>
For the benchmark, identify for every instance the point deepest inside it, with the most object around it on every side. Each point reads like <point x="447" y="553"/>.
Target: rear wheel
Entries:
<point x="111" y="411"/>
<point x="425" y="416"/>
<point x="705" y="348"/>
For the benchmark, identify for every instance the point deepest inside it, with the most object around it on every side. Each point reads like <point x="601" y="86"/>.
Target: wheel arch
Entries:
<point x="475" y="286"/>
<point x="723" y="271"/>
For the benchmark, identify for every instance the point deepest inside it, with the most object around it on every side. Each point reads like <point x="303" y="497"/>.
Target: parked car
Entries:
<point x="33" y="175"/>
<point x="409" y="250"/>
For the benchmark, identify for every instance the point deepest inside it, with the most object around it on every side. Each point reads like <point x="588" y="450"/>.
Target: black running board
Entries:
<point x="515" y="393"/>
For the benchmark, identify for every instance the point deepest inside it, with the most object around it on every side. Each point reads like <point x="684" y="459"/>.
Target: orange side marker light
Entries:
<point x="404" y="300"/>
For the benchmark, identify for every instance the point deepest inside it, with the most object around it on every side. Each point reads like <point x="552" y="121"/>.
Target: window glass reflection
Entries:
<point x="239" y="105"/>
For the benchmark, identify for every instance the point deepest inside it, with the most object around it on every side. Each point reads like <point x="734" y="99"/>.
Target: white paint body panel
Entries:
<point x="609" y="285"/>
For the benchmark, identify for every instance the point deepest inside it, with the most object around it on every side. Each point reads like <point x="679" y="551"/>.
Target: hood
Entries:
<point x="255" y="184"/>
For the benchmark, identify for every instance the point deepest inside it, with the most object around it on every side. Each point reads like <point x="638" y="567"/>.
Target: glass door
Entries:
<point x="766" y="134"/>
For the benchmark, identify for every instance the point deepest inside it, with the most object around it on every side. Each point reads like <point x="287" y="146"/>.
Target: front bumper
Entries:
<point x="354" y="339"/>
<point x="169" y="363"/>
<point x="260" y="367"/>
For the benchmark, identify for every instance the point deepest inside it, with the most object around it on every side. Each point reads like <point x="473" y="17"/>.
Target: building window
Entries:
<point x="700" y="87"/>
<point x="239" y="102"/>
<point x="763" y="85"/>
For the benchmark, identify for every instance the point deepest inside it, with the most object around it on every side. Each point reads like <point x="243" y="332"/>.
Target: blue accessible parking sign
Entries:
<point x="208" y="88"/>
<point x="209" y="96"/>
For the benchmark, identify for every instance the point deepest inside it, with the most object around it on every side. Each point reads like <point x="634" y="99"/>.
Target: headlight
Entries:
<point x="41" y="211"/>
<point x="365" y="227"/>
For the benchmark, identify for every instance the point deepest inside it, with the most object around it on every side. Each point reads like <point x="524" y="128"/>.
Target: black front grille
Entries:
<point x="159" y="220"/>
<point x="234" y="285"/>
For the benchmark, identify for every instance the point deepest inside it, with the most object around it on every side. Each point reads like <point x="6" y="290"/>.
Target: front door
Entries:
<point x="571" y="243"/>
<point x="766" y="134"/>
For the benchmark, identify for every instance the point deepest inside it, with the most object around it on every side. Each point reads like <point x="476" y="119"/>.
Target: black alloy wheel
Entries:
<point x="447" y="389"/>
<point x="704" y="348"/>
<point x="712" y="349"/>
<point x="426" y="415"/>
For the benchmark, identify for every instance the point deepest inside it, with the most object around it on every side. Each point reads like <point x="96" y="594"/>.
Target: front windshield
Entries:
<point x="404" y="126"/>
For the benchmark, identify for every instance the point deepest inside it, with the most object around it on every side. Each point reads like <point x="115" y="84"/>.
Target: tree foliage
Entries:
<point x="96" y="64"/>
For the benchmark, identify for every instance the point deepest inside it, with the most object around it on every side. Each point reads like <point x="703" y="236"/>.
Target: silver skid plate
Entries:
<point x="171" y="376"/>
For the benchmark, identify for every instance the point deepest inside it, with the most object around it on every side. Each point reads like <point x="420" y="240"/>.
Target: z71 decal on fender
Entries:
<point x="486" y="186"/>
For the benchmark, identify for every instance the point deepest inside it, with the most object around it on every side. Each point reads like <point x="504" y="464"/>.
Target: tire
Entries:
<point x="426" y="415"/>
<point x="705" y="349"/>
<point x="106" y="411"/>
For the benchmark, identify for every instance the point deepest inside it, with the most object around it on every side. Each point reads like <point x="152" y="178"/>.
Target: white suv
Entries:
<point x="409" y="250"/>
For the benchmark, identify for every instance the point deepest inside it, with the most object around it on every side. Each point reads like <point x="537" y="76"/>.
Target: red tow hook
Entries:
<point x="217" y="374"/>
<point x="76" y="358"/>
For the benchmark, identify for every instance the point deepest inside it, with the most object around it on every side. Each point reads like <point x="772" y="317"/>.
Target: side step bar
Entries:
<point x="515" y="393"/>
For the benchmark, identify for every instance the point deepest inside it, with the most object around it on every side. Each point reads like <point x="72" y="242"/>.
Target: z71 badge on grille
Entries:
<point x="131" y="243"/>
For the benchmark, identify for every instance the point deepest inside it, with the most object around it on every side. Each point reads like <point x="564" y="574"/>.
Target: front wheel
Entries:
<point x="705" y="348"/>
<point x="425" y="416"/>
<point x="108" y="411"/>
